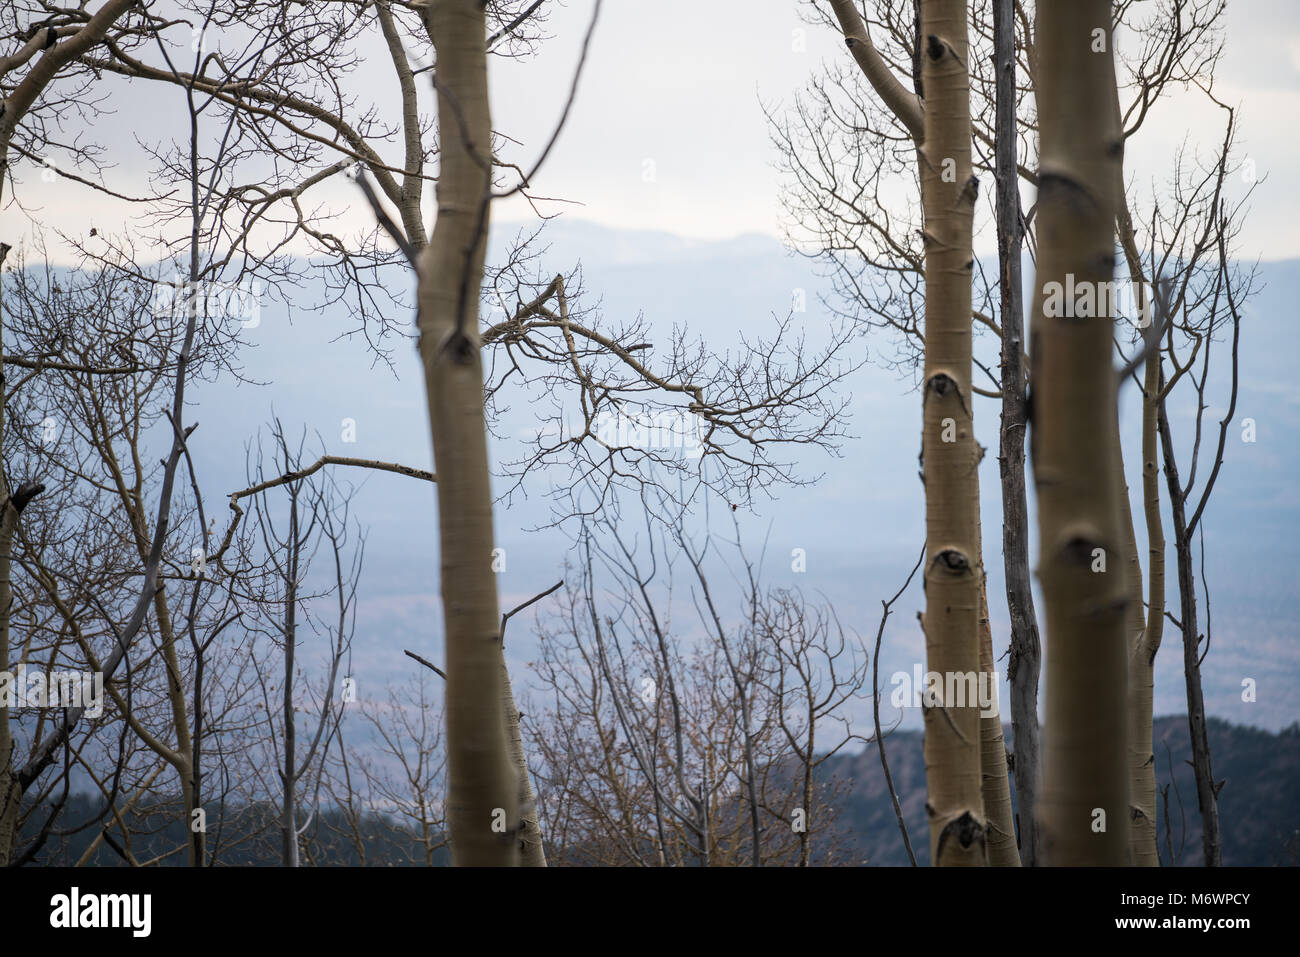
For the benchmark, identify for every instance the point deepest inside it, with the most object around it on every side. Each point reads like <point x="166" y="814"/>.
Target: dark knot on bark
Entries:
<point x="941" y="383"/>
<point x="966" y="829"/>
<point x="953" y="561"/>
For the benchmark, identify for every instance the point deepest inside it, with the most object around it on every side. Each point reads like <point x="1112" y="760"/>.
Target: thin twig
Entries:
<point x="428" y="664"/>
<point x="518" y="608"/>
<point x="875" y="705"/>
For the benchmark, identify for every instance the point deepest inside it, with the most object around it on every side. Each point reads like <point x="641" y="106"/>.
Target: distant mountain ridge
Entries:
<point x="1259" y="810"/>
<point x="1259" y="806"/>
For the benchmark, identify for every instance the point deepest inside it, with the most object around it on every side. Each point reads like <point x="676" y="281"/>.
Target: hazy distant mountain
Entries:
<point x="1259" y="806"/>
<point x="860" y="526"/>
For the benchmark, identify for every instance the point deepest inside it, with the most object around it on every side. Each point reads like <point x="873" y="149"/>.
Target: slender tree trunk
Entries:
<point x="1142" y="760"/>
<point x="1147" y="633"/>
<point x="483" y="786"/>
<point x="532" y="853"/>
<point x="1207" y="794"/>
<point x="196" y="747"/>
<point x="810" y="744"/>
<point x="195" y="822"/>
<point x="288" y="811"/>
<point x="953" y="571"/>
<point x="1135" y="628"/>
<point x="1141" y="674"/>
<point x="993" y="760"/>
<point x="183" y="755"/>
<point x="1084" y="799"/>
<point x="1026" y="650"/>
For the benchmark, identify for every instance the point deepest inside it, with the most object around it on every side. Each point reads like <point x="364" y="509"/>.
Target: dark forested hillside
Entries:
<point x="1260" y="798"/>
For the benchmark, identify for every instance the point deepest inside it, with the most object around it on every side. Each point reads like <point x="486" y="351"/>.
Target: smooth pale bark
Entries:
<point x="953" y="571"/>
<point x="903" y="103"/>
<point x="1142" y="764"/>
<point x="1083" y="804"/>
<point x="1025" y="658"/>
<point x="1141" y="671"/>
<point x="532" y="853"/>
<point x="409" y="206"/>
<point x="1135" y="628"/>
<point x="1001" y="829"/>
<point x="483" y="786"/>
<point x="1142" y="657"/>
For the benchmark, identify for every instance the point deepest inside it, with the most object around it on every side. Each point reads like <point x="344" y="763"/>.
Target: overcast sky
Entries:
<point x="678" y="84"/>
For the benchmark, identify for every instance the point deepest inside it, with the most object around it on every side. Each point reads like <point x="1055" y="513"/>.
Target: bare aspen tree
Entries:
<point x="953" y="570"/>
<point x="939" y="121"/>
<point x="1141" y="680"/>
<point x="1144" y="626"/>
<point x="850" y="135"/>
<point x="746" y="407"/>
<point x="1141" y="671"/>
<point x="407" y="788"/>
<point x="1084" y="799"/>
<point x="1195" y="239"/>
<point x="663" y="749"/>
<point x="751" y="401"/>
<point x="106" y="414"/>
<point x="317" y="515"/>
<point x="1142" y="657"/>
<point x="1181" y="44"/>
<point x="482" y="783"/>
<point x="1184" y="238"/>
